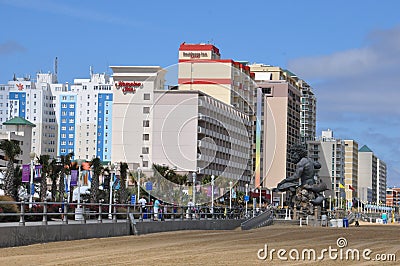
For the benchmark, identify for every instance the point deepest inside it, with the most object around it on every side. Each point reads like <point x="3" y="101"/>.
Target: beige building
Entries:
<point x="132" y="118"/>
<point x="351" y="169"/>
<point x="20" y="130"/>
<point x="194" y="132"/>
<point x="367" y="175"/>
<point x="372" y="175"/>
<point x="278" y="99"/>
<point x="201" y="68"/>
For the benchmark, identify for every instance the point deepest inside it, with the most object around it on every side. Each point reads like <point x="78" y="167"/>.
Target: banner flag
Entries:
<point x="25" y="173"/>
<point x="38" y="172"/>
<point x="74" y="178"/>
<point x="117" y="184"/>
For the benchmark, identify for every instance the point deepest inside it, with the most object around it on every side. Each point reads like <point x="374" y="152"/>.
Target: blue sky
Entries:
<point x="349" y="51"/>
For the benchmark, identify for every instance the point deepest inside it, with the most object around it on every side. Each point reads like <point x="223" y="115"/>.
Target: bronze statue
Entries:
<point x="304" y="187"/>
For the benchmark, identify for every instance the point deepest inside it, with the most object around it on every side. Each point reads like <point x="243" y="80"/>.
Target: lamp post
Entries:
<point x="138" y="184"/>
<point x="230" y="195"/>
<point x="79" y="182"/>
<point x="138" y="181"/>
<point x="112" y="166"/>
<point x="247" y="188"/>
<point x="212" y="194"/>
<point x="194" y="188"/>
<point x="31" y="189"/>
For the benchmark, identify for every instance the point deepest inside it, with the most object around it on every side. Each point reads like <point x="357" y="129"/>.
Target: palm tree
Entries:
<point x="11" y="150"/>
<point x="66" y="163"/>
<point x="54" y="169"/>
<point x="44" y="161"/>
<point x="97" y="170"/>
<point x="123" y="195"/>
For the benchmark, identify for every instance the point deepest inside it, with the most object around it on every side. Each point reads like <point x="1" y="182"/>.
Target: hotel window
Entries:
<point x="146" y="136"/>
<point x="63" y="128"/>
<point x="71" y="105"/>
<point x="64" y="98"/>
<point x="146" y="123"/>
<point x="145" y="150"/>
<point x="63" y="136"/>
<point x="146" y="96"/>
<point x="71" y="98"/>
<point x="145" y="164"/>
<point x="146" y="110"/>
<point x="64" y="105"/>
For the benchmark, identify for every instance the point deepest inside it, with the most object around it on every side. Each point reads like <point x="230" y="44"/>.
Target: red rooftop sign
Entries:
<point x="128" y="87"/>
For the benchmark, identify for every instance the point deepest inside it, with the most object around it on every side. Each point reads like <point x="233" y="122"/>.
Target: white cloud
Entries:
<point x="381" y="53"/>
<point x="358" y="93"/>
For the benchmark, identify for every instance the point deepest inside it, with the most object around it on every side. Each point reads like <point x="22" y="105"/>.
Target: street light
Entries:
<point x="32" y="188"/>
<point x="112" y="166"/>
<point x="79" y="182"/>
<point x="230" y="195"/>
<point x="247" y="187"/>
<point x="212" y="194"/>
<point x="138" y="181"/>
<point x="193" y="188"/>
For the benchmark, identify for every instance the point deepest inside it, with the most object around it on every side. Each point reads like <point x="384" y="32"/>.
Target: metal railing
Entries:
<point x="63" y="212"/>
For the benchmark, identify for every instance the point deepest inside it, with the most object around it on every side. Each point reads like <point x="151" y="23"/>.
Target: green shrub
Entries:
<point x="8" y="208"/>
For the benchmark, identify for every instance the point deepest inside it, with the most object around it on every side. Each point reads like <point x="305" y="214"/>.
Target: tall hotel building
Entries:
<point x="69" y="118"/>
<point x="278" y="107"/>
<point x="351" y="169"/>
<point x="232" y="86"/>
<point x="371" y="177"/>
<point x="330" y="153"/>
<point x="132" y="118"/>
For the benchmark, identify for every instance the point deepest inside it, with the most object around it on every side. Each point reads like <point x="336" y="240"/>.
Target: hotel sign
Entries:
<point x="194" y="55"/>
<point x="128" y="87"/>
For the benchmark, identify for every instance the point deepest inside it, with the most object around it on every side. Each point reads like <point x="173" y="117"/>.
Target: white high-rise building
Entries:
<point x="69" y="119"/>
<point x="330" y="153"/>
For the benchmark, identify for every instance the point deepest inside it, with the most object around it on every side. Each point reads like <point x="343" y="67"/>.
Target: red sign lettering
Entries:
<point x="128" y="87"/>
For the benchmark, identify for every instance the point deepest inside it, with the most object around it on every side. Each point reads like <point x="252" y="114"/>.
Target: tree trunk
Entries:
<point x="43" y="187"/>
<point x="9" y="182"/>
<point x="61" y="186"/>
<point x="94" y="189"/>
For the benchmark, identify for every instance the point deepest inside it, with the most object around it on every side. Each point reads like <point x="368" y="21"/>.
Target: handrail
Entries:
<point x="62" y="212"/>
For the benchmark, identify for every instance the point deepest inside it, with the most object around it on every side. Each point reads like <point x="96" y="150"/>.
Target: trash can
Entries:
<point x="345" y="222"/>
<point x="333" y="223"/>
<point x="324" y="220"/>
<point x="339" y="222"/>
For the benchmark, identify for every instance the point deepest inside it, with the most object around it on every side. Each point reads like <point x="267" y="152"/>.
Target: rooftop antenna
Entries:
<point x="91" y="71"/>
<point x="56" y="66"/>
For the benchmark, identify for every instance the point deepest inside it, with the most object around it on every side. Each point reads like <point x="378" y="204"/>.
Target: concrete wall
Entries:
<point x="25" y="235"/>
<point x="12" y="236"/>
<point x="156" y="227"/>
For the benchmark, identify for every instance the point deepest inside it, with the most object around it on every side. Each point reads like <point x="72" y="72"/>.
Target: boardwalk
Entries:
<point x="212" y="247"/>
